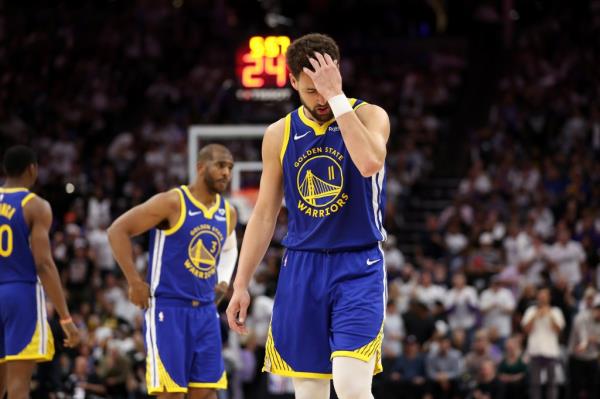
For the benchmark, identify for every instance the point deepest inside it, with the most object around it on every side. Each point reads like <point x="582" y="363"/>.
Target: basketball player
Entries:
<point x="25" y="262"/>
<point x="327" y="159"/>
<point x="193" y="246"/>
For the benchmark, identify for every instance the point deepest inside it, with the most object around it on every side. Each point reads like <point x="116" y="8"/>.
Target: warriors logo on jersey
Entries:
<point x="203" y="250"/>
<point x="320" y="180"/>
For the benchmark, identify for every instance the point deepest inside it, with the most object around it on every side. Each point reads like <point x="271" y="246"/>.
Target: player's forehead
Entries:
<point x="222" y="156"/>
<point x="305" y="82"/>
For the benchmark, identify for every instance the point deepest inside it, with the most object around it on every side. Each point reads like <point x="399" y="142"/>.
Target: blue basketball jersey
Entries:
<point x="16" y="258"/>
<point x="331" y="206"/>
<point x="183" y="259"/>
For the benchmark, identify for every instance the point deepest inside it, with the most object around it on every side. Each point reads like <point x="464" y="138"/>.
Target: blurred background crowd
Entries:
<point x="493" y="204"/>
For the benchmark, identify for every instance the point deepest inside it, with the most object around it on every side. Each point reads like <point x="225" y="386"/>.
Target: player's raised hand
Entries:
<point x="325" y="75"/>
<point x="139" y="293"/>
<point x="238" y="310"/>
<point x="71" y="332"/>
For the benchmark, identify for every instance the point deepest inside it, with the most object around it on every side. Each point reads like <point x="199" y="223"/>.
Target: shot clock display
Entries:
<point x="261" y="69"/>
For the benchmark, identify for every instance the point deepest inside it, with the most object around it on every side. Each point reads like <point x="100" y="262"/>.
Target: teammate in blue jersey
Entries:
<point x="327" y="160"/>
<point x="26" y="265"/>
<point x="192" y="251"/>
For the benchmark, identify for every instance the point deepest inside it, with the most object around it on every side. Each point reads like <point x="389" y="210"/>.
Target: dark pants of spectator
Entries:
<point x="537" y="366"/>
<point x="440" y="392"/>
<point x="403" y="390"/>
<point x="513" y="390"/>
<point x="583" y="378"/>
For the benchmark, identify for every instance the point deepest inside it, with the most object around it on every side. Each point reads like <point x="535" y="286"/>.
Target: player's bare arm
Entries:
<point x="227" y="259"/>
<point x="38" y="214"/>
<point x="163" y="207"/>
<point x="260" y="226"/>
<point x="366" y="131"/>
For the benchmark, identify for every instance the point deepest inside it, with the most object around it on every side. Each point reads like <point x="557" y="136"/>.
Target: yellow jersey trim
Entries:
<point x="275" y="364"/>
<point x="366" y="352"/>
<point x="165" y="382"/>
<point x="27" y="198"/>
<point x="12" y="190"/>
<point x="322" y="129"/>
<point x="286" y="135"/>
<point x="221" y="384"/>
<point x="300" y="374"/>
<point x="32" y="349"/>
<point x="181" y="219"/>
<point x="359" y="105"/>
<point x="208" y="213"/>
<point x="319" y="129"/>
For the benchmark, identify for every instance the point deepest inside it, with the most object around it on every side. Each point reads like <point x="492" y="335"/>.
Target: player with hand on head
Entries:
<point x="327" y="159"/>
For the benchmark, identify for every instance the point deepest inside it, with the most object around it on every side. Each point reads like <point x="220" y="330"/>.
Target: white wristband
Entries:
<point x="339" y="105"/>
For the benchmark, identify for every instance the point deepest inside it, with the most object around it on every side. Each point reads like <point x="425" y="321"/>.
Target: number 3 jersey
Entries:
<point x="16" y="258"/>
<point x="183" y="259"/>
<point x="331" y="206"/>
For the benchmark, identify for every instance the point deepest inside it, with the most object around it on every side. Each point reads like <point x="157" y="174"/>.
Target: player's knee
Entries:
<point x="310" y="388"/>
<point x="352" y="378"/>
<point x="347" y="387"/>
<point x="18" y="389"/>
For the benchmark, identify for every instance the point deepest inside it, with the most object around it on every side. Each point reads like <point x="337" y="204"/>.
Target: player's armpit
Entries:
<point x="270" y="195"/>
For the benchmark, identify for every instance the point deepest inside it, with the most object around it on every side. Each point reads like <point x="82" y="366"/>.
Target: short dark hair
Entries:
<point x="207" y="153"/>
<point x="17" y="159"/>
<point x="298" y="52"/>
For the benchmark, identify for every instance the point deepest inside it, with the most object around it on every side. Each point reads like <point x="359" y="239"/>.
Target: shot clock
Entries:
<point x="261" y="71"/>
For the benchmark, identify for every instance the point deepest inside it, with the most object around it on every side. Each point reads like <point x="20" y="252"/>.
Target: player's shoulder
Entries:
<point x="169" y="200"/>
<point x="35" y="202"/>
<point x="276" y="128"/>
<point x="273" y="138"/>
<point x="366" y="109"/>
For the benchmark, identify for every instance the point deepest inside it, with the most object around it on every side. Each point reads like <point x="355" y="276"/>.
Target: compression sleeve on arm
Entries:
<point x="228" y="257"/>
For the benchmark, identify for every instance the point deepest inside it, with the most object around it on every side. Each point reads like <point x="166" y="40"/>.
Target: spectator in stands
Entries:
<point x="444" y="368"/>
<point x="543" y="324"/>
<point x="512" y="371"/>
<point x="584" y="352"/>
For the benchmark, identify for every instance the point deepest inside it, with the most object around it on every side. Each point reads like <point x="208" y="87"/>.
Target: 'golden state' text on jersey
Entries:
<point x="183" y="259"/>
<point x="331" y="205"/>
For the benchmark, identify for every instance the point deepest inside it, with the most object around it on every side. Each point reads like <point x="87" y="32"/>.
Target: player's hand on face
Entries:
<point x="72" y="337"/>
<point x="238" y="310"/>
<point x="139" y="294"/>
<point x="325" y="74"/>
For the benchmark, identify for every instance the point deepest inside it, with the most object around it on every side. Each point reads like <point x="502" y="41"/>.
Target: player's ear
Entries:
<point x="293" y="81"/>
<point x="32" y="171"/>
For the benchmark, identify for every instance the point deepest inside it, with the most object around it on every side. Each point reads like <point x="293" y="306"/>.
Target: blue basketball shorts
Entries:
<point x="24" y="330"/>
<point x="183" y="346"/>
<point x="327" y="305"/>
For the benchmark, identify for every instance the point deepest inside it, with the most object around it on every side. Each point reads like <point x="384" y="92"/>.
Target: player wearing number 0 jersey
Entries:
<point x="192" y="254"/>
<point x="26" y="266"/>
<point x="326" y="159"/>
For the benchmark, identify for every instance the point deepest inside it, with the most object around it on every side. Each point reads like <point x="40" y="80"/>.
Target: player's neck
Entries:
<point x="12" y="182"/>
<point x="311" y="118"/>
<point x="202" y="194"/>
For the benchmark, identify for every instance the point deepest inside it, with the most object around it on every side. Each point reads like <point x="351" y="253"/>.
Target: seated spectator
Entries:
<point x="444" y="368"/>
<point x="487" y="385"/>
<point x="408" y="373"/>
<point x="512" y="371"/>
<point x="584" y="352"/>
